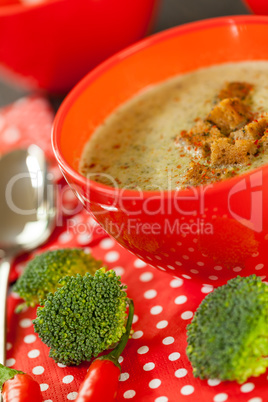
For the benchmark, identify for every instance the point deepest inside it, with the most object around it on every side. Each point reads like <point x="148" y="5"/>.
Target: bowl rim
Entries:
<point x="115" y="59"/>
<point x="21" y="7"/>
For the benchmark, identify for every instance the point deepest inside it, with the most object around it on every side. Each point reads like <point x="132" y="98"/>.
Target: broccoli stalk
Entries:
<point x="228" y="336"/>
<point x="43" y="273"/>
<point x="117" y="351"/>
<point x="84" y="317"/>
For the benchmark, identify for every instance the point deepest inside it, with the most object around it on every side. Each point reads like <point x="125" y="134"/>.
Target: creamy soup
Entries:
<point x="192" y="129"/>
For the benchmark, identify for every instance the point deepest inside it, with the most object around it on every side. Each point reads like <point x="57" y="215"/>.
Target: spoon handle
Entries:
<point x="4" y="274"/>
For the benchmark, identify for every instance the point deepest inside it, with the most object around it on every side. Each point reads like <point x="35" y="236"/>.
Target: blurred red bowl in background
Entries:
<point x="53" y="44"/>
<point x="209" y="233"/>
<point x="257" y="6"/>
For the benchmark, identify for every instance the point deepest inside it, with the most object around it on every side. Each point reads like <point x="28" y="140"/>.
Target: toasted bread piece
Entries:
<point x="236" y="89"/>
<point x="229" y="115"/>
<point x="200" y="136"/>
<point x="263" y="142"/>
<point x="226" y="152"/>
<point x="252" y="131"/>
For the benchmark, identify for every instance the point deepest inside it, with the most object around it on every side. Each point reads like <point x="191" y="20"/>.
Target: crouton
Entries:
<point x="229" y="115"/>
<point x="252" y="131"/>
<point x="214" y="134"/>
<point x="200" y="136"/>
<point x="226" y="152"/>
<point x="236" y="89"/>
<point x="198" y="174"/>
<point x="263" y="142"/>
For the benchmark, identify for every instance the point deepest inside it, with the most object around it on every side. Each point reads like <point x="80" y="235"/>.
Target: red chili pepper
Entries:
<point x="101" y="381"/>
<point x="18" y="386"/>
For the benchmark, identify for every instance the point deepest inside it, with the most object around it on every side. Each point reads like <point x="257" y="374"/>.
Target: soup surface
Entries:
<point x="193" y="129"/>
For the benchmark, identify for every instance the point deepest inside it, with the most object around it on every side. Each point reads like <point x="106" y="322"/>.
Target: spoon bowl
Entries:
<point x="27" y="214"/>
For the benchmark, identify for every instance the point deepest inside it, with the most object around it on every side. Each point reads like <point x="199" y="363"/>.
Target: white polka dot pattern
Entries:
<point x="174" y="356"/>
<point x="148" y="366"/>
<point x="213" y="382"/>
<point x="107" y="243"/>
<point x="146" y="277"/>
<point x="139" y="264"/>
<point x="143" y="350"/>
<point x="44" y="387"/>
<point x="156" y="348"/>
<point x="38" y="370"/>
<point x="155" y="383"/>
<point x="220" y="397"/>
<point x="248" y="387"/>
<point x="155" y="367"/>
<point x="26" y="323"/>
<point x="150" y="294"/>
<point x="33" y="353"/>
<point x="157" y="345"/>
<point x="187" y="315"/>
<point x="168" y="340"/>
<point x="187" y="390"/>
<point x="10" y="362"/>
<point x="72" y="396"/>
<point x="180" y="299"/>
<point x="156" y="310"/>
<point x="30" y="338"/>
<point x="137" y="335"/>
<point x="67" y="379"/>
<point x="129" y="394"/>
<point x="124" y="377"/>
<point x="162" y="324"/>
<point x="20" y="122"/>
<point x="180" y="373"/>
<point x="176" y="283"/>
<point x="112" y="256"/>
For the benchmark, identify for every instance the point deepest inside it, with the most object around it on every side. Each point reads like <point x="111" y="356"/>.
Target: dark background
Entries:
<point x="176" y="12"/>
<point x="170" y="14"/>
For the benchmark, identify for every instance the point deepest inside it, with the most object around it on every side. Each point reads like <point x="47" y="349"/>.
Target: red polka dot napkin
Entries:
<point x="155" y="367"/>
<point x="28" y="121"/>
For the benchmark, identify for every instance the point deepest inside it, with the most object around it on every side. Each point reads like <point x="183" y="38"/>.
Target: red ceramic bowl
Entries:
<point x="53" y="44"/>
<point x="209" y="233"/>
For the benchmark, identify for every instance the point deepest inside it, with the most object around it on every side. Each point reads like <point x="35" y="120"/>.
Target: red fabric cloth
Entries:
<point x="155" y="367"/>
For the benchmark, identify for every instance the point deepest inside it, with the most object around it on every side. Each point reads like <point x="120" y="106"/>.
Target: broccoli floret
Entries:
<point x="84" y="317"/>
<point x="43" y="273"/>
<point x="228" y="336"/>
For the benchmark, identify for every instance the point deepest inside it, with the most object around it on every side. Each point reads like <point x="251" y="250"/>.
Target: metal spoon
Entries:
<point x="27" y="214"/>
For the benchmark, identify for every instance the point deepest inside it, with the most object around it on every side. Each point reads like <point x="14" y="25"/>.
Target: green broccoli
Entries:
<point x="228" y="336"/>
<point x="43" y="273"/>
<point x="84" y="317"/>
